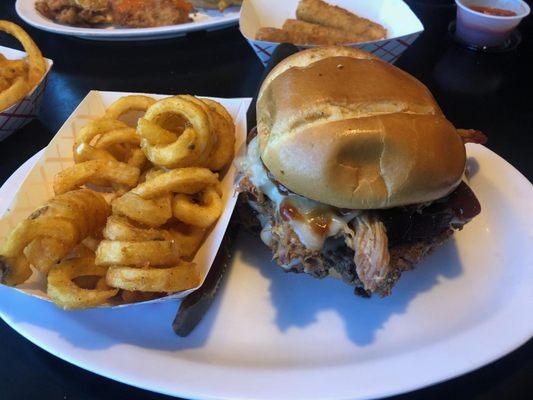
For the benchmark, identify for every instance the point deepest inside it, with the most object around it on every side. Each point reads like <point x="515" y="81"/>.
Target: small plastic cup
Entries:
<point x="486" y="30"/>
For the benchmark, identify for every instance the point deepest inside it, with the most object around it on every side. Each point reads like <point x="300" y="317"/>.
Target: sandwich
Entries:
<point x="354" y="172"/>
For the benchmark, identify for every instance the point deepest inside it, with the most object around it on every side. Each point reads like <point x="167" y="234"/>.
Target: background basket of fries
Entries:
<point x="23" y="77"/>
<point x="385" y="28"/>
<point x="129" y="202"/>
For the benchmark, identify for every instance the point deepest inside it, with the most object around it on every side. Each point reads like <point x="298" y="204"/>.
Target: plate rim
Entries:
<point x="465" y="367"/>
<point x="162" y="32"/>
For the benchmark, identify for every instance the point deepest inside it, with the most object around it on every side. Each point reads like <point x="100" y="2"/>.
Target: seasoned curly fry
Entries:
<point x="67" y="218"/>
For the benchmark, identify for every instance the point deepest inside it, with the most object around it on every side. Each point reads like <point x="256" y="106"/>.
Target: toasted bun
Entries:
<point x="339" y="126"/>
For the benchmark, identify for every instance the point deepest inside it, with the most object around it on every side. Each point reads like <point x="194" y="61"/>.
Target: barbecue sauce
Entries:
<point x="289" y="212"/>
<point x="317" y="221"/>
<point x="497" y="12"/>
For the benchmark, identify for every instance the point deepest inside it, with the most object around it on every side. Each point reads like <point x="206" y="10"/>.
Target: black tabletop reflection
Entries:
<point x="489" y="92"/>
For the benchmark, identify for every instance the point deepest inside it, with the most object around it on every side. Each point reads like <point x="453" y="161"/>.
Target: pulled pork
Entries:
<point x="386" y="242"/>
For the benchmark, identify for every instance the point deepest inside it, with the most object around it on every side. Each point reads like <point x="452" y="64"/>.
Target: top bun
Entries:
<point x="342" y="127"/>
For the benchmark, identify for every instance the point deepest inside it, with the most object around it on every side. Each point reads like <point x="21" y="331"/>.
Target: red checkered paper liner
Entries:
<point x="402" y="25"/>
<point x="18" y="115"/>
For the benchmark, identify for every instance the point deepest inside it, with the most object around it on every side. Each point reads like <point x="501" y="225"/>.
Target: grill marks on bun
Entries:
<point x="344" y="128"/>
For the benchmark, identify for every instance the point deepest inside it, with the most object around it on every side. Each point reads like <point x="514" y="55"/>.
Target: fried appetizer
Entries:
<point x="306" y="33"/>
<point x="322" y="13"/>
<point x="50" y="233"/>
<point x="300" y="32"/>
<point x="148" y="13"/>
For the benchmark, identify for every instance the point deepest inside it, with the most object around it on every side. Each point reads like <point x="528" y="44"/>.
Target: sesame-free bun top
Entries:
<point x="340" y="126"/>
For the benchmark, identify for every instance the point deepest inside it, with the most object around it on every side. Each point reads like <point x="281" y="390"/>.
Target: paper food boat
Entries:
<point x="37" y="187"/>
<point x="403" y="27"/>
<point x="19" y="114"/>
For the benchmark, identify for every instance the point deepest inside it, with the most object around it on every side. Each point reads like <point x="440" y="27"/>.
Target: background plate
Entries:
<point x="204" y="19"/>
<point x="277" y="335"/>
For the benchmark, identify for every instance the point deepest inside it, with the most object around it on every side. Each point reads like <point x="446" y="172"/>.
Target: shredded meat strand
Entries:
<point x="371" y="251"/>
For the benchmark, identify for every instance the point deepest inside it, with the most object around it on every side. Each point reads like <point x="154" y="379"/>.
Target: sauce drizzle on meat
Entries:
<point x="318" y="222"/>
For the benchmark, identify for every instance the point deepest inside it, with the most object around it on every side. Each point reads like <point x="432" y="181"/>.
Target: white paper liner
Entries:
<point x="37" y="188"/>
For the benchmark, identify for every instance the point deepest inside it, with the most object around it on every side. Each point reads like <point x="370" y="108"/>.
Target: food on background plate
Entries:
<point x="85" y="13"/>
<point x="320" y="23"/>
<point x="137" y="242"/>
<point x="355" y="172"/>
<point x="126" y="13"/>
<point x="19" y="77"/>
<point x="219" y="4"/>
<point x="148" y="13"/>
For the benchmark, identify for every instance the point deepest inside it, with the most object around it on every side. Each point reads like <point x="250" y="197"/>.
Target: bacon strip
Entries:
<point x="472" y="136"/>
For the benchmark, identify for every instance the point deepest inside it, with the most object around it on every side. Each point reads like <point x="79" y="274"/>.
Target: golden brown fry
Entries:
<point x="183" y="151"/>
<point x="195" y="143"/>
<point x="86" y="152"/>
<point x="183" y="180"/>
<point x="128" y="103"/>
<point x="114" y="172"/>
<point x="118" y="136"/>
<point x="224" y="129"/>
<point x="150" y="212"/>
<point x="45" y="252"/>
<point x="137" y="254"/>
<point x="14" y="93"/>
<point x="188" y="238"/>
<point x="65" y="293"/>
<point x="67" y="218"/>
<point x="302" y="32"/>
<point x="121" y="229"/>
<point x="97" y="127"/>
<point x="36" y="62"/>
<point x="174" y="279"/>
<point x="201" y="211"/>
<point x="322" y="13"/>
<point x="154" y="134"/>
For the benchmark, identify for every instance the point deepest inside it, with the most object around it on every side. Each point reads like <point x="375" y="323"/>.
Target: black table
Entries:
<point x="487" y="92"/>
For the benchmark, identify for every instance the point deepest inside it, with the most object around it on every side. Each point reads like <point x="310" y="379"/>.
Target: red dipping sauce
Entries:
<point x="498" y="12"/>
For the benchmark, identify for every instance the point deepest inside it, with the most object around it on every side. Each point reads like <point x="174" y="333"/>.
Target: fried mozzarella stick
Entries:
<point x="306" y="33"/>
<point x="300" y="32"/>
<point x="322" y="13"/>
<point x="273" y="35"/>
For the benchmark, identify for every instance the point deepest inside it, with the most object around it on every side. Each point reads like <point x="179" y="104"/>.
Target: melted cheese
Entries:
<point x="307" y="209"/>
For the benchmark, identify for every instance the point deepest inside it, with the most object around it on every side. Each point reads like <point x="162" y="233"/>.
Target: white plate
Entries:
<point x="203" y="20"/>
<point x="277" y="335"/>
